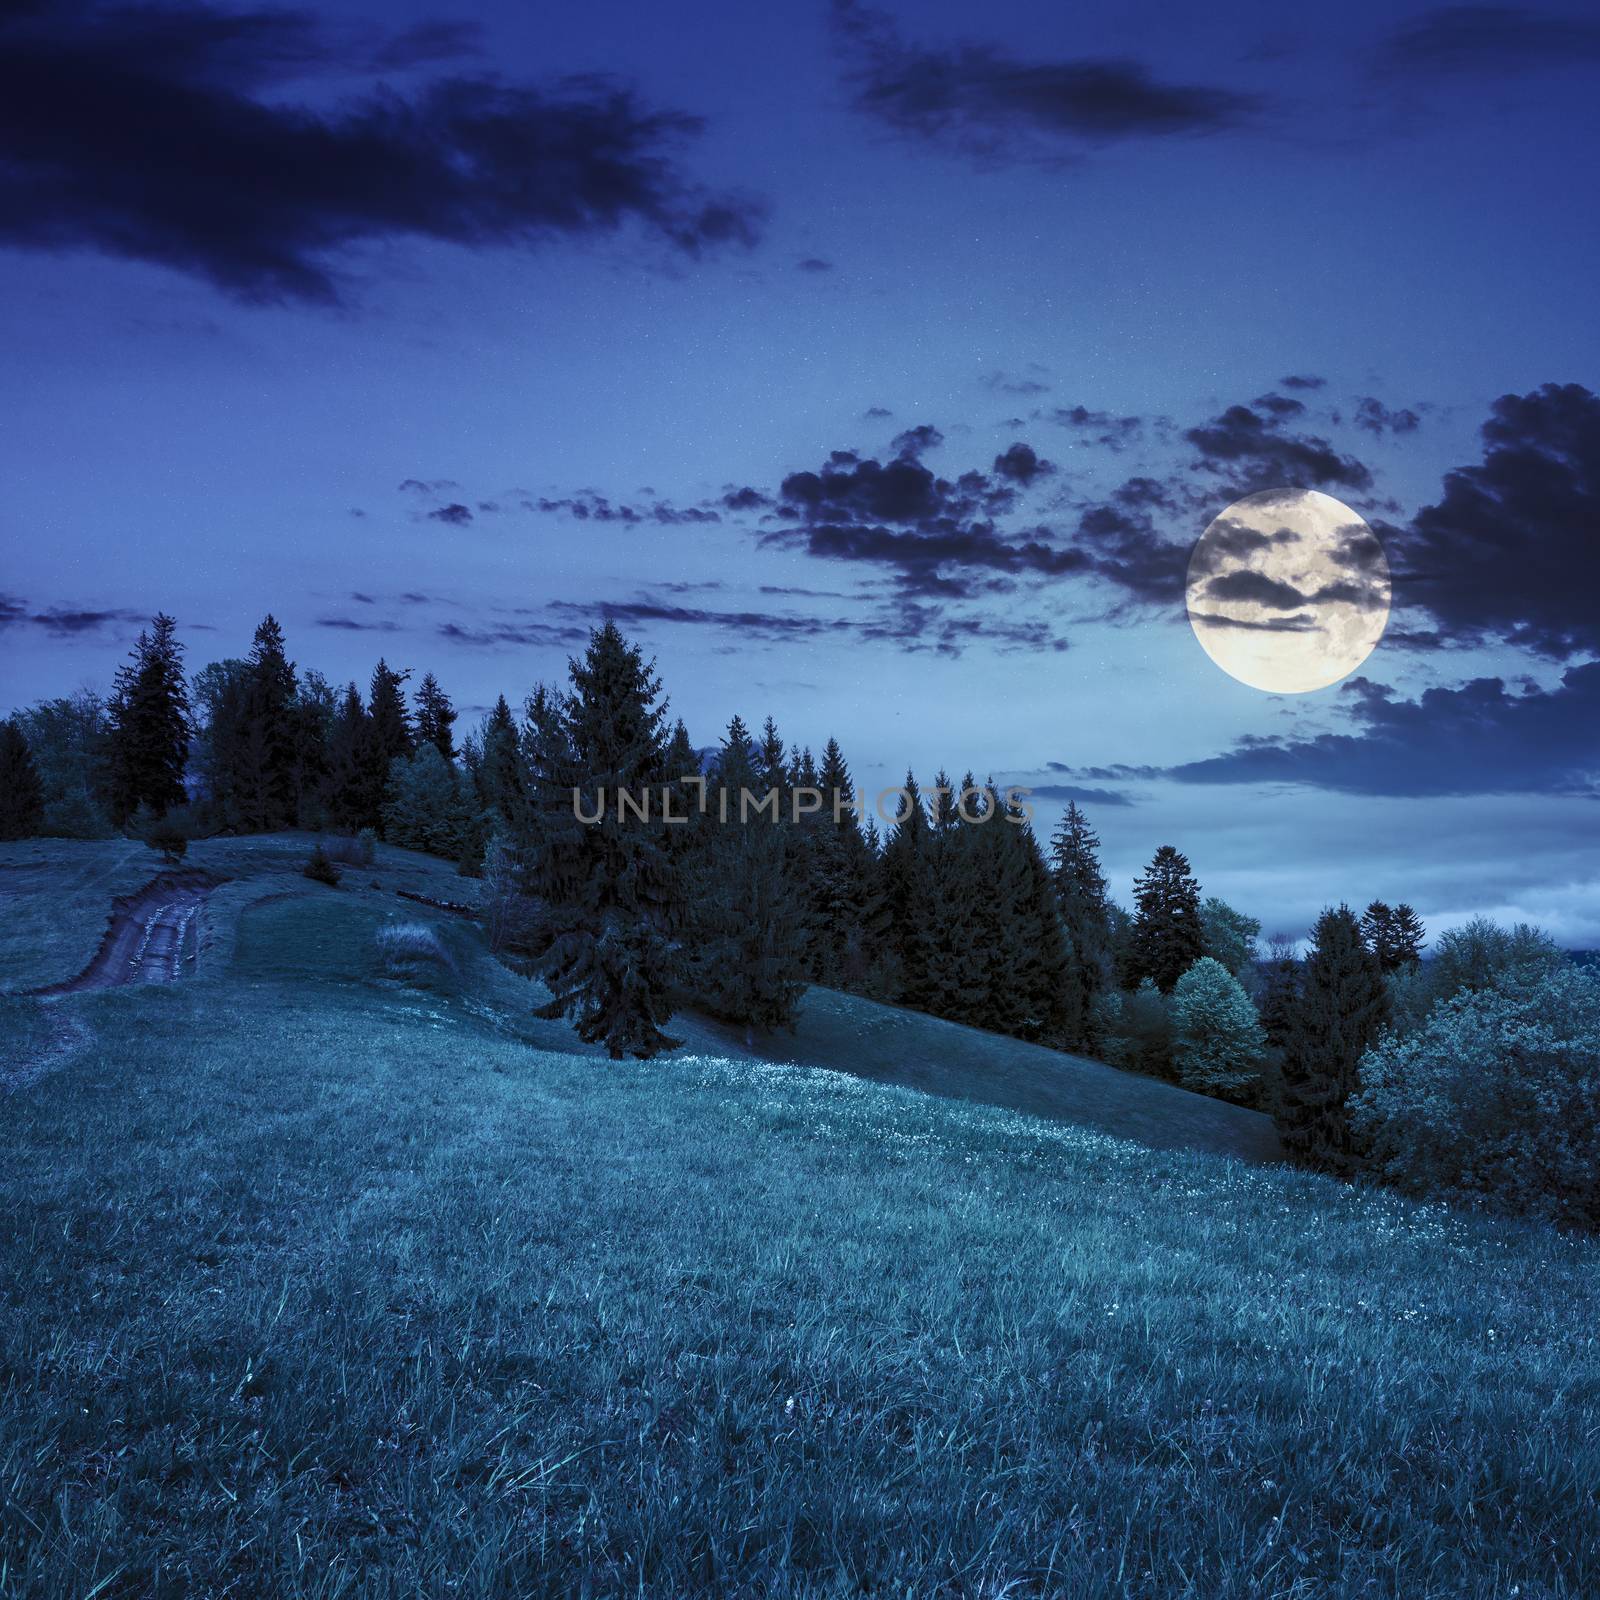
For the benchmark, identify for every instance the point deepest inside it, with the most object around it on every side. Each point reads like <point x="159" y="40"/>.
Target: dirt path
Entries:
<point x="153" y="936"/>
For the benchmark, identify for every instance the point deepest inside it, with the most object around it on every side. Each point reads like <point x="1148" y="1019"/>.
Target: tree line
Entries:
<point x="956" y="908"/>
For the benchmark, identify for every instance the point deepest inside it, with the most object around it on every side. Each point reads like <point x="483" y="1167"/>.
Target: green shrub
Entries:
<point x="1496" y="1095"/>
<point x="169" y="833"/>
<point x="356" y="851"/>
<point x="1137" y="1029"/>
<point x="1218" y="1039"/>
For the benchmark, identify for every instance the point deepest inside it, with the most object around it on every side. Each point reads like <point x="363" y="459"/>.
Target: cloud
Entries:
<point x="1098" y="427"/>
<point x="1249" y="586"/>
<point x="456" y="514"/>
<point x="351" y="625"/>
<point x="1252" y="447"/>
<point x="1031" y="382"/>
<point x="1082" y="796"/>
<point x="160" y="133"/>
<point x="982" y="102"/>
<point x="588" y="506"/>
<point x="872" y="413"/>
<point x="814" y="264"/>
<point x="1476" y="739"/>
<point x="1301" y="380"/>
<point x="64" y="621"/>
<point x="1377" y="418"/>
<point x="1512" y="546"/>
<point x="1490" y="40"/>
<point x="1021" y="463"/>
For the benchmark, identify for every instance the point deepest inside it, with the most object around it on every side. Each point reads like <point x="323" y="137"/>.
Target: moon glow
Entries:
<point x="1288" y="590"/>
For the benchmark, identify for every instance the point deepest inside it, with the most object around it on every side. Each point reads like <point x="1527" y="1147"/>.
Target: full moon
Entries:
<point x="1288" y="590"/>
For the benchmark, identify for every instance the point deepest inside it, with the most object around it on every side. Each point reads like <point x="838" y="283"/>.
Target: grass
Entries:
<point x="314" y="1285"/>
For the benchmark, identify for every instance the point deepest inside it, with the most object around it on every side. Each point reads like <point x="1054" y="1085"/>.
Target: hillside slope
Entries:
<point x="315" y="1283"/>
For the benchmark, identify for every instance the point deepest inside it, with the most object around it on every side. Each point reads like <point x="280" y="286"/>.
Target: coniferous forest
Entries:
<point x="638" y="873"/>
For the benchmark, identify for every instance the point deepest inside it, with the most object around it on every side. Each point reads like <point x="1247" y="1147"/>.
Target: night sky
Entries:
<point x="877" y="368"/>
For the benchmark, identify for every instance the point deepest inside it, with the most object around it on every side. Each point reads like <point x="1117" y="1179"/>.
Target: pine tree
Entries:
<point x="265" y="781"/>
<point x="905" y="892"/>
<point x="436" y="717"/>
<point x="1280" y="990"/>
<point x="1408" y="937"/>
<point x="607" y="890"/>
<point x="348" y="789"/>
<point x="21" y="793"/>
<point x="1031" y="983"/>
<point x="149" y="716"/>
<point x="1168" y="935"/>
<point x="838" y="873"/>
<point x="1218" y="1040"/>
<point x="748" y="932"/>
<point x="771" y="767"/>
<point x="500" y="769"/>
<point x="1394" y="934"/>
<point x="423" y="809"/>
<point x="1081" y="892"/>
<point x="1341" y="1009"/>
<point x="387" y="737"/>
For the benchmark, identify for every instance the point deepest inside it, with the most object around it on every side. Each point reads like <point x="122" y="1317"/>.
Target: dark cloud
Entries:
<point x="64" y="621"/>
<point x="1021" y="463"/>
<point x="587" y="506"/>
<point x="456" y="514"/>
<point x="745" y="499"/>
<point x="1492" y="40"/>
<point x="155" y="133"/>
<point x="1302" y="380"/>
<point x="428" y="43"/>
<point x="1252" y="448"/>
<point x="523" y="635"/>
<point x="1512" y="546"/>
<point x="1074" y="792"/>
<point x="978" y="100"/>
<point x="1302" y="622"/>
<point x="1476" y="739"/>
<point x="1377" y="418"/>
<point x="814" y="264"/>
<point x="1098" y="427"/>
<point x="872" y="413"/>
<point x="915" y="442"/>
<point x="1245" y="584"/>
<point x="351" y="625"/>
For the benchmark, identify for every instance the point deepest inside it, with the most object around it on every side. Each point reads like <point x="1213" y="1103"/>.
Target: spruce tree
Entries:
<point x="1081" y="892"/>
<point x="1218" y="1040"/>
<point x="149" y="717"/>
<point x="1280" y="990"/>
<point x="838" y="872"/>
<point x="1394" y="934"/>
<point x="747" y="929"/>
<point x="1168" y="934"/>
<point x="423" y="809"/>
<point x="265" y="781"/>
<point x="905" y="891"/>
<point x="1407" y="936"/>
<point x="21" y="793"/>
<point x="347" y="789"/>
<point x="1031" y="979"/>
<point x="500" y="773"/>
<point x="435" y="717"/>
<point x="607" y="889"/>
<point x="1340" y="1010"/>
<point x="387" y="737"/>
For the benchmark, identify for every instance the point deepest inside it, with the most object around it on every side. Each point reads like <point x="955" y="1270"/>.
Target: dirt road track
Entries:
<point x="153" y="936"/>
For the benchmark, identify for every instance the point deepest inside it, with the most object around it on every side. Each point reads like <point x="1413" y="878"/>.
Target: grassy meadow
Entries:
<point x="319" y="1282"/>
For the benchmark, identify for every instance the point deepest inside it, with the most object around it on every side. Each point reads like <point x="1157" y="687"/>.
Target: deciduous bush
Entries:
<point x="1496" y="1095"/>
<point x="355" y="850"/>
<point x="1138" y="1029"/>
<point x="1218" y="1039"/>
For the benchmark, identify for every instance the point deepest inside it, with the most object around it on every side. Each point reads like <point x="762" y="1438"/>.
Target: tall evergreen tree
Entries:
<point x="607" y="889"/>
<point x="1168" y="934"/>
<point x="500" y="768"/>
<point x="1030" y="983"/>
<point x="149" y="717"/>
<point x="21" y="793"/>
<point x="1280" y="990"/>
<point x="265" y="780"/>
<point x="1340" y="1010"/>
<point x="1085" y="917"/>
<point x="905" y="891"/>
<point x="348" y="790"/>
<point x="423" y="808"/>
<point x="838" y="871"/>
<point x="748" y="932"/>
<point x="436" y="717"/>
<point x="387" y="737"/>
<point x="1394" y="934"/>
